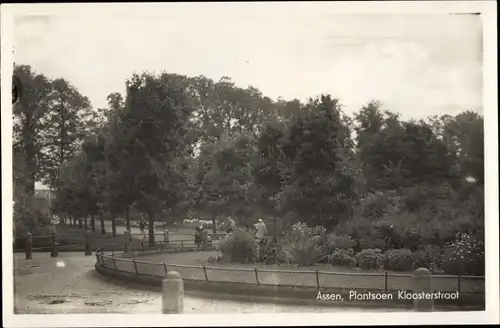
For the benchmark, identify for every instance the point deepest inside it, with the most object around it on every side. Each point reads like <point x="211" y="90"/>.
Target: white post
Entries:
<point x="422" y="282"/>
<point x="173" y="293"/>
<point x="166" y="237"/>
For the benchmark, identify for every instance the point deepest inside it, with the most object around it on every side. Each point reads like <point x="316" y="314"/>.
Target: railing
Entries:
<point x="316" y="279"/>
<point x="108" y="255"/>
<point x="89" y="242"/>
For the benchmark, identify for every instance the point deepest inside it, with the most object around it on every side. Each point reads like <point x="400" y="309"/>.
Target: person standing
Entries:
<point x="198" y="234"/>
<point x="142" y="227"/>
<point x="260" y="230"/>
<point x="231" y="226"/>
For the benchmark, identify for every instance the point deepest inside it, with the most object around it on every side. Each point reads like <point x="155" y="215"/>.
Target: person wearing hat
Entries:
<point x="260" y="230"/>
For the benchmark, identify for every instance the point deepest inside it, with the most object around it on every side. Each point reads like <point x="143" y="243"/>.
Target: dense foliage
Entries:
<point x="367" y="190"/>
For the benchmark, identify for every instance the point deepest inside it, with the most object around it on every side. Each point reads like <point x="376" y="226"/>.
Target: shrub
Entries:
<point x="398" y="259"/>
<point x="428" y="257"/>
<point x="269" y="252"/>
<point x="371" y="242"/>
<point x="300" y="230"/>
<point x="364" y="232"/>
<point x="464" y="256"/>
<point x="376" y="205"/>
<point x="306" y="252"/>
<point x="342" y="257"/>
<point x="305" y="245"/>
<point x="334" y="242"/>
<point x="239" y="246"/>
<point x="283" y="256"/>
<point x="30" y="217"/>
<point x="408" y="237"/>
<point x="370" y="259"/>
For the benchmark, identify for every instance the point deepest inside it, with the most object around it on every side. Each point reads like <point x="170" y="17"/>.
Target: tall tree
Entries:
<point x="319" y="175"/>
<point x="154" y="118"/>
<point x="267" y="165"/>
<point x="395" y="153"/>
<point x="465" y="135"/>
<point x="95" y="172"/>
<point x="66" y="126"/>
<point x="225" y="186"/>
<point x="28" y="118"/>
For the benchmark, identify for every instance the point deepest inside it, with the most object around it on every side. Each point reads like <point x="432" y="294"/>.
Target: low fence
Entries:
<point x="77" y="241"/>
<point x="118" y="253"/>
<point x="317" y="279"/>
<point x="89" y="242"/>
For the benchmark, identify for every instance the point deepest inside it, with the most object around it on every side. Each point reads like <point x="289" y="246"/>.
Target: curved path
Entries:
<point x="68" y="284"/>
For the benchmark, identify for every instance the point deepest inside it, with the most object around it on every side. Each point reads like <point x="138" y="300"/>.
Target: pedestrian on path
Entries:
<point x="142" y="226"/>
<point x="198" y="234"/>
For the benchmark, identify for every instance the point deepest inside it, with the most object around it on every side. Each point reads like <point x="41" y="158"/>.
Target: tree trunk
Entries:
<point x="103" y="230"/>
<point x="151" y="227"/>
<point x="92" y="222"/>
<point x="29" y="151"/>
<point x="275" y="230"/>
<point x="80" y="222"/>
<point x="127" y="218"/>
<point x="85" y="225"/>
<point x="113" y="224"/>
<point x="214" y="228"/>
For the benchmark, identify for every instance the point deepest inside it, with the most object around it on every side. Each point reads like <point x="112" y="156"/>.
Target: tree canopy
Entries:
<point x="174" y="144"/>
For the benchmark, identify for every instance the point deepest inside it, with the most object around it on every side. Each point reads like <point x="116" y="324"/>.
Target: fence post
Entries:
<point x="182" y="244"/>
<point x="29" y="245"/>
<point x="54" y="251"/>
<point x="422" y="282"/>
<point x="166" y="237"/>
<point x="257" y="276"/>
<point x="161" y="246"/>
<point x="114" y="261"/>
<point x="173" y="293"/>
<point x="205" y="272"/>
<point x="135" y="267"/>
<point x="88" y="247"/>
<point x="142" y="245"/>
<point x="126" y="235"/>
<point x="165" y="267"/>
<point x="385" y="284"/>
<point x="458" y="283"/>
<point x="317" y="279"/>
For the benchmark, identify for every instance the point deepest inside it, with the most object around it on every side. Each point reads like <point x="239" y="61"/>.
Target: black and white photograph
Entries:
<point x="163" y="162"/>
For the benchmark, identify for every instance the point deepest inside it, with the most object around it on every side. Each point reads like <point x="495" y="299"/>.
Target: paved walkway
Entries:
<point x="68" y="284"/>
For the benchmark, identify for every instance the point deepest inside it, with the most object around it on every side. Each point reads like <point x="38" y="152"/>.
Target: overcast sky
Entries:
<point x="415" y="65"/>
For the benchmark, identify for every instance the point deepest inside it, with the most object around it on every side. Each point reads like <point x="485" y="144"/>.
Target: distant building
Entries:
<point x="44" y="193"/>
<point x="43" y="199"/>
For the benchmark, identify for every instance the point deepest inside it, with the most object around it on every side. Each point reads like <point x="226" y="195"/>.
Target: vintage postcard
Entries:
<point x="313" y="163"/>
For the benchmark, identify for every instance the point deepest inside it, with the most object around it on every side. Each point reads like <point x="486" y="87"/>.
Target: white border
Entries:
<point x="491" y="315"/>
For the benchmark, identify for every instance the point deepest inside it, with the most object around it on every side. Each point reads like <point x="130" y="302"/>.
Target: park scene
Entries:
<point x="247" y="196"/>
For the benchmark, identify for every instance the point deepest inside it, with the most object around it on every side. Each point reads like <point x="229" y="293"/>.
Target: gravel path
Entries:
<point x="68" y="284"/>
